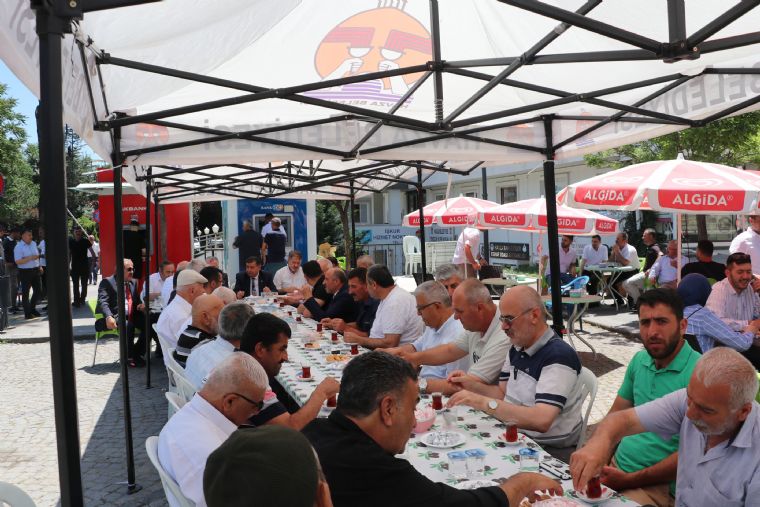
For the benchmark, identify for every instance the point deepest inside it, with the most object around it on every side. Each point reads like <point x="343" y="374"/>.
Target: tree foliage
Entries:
<point x="78" y="162"/>
<point x="334" y="227"/>
<point x="21" y="193"/>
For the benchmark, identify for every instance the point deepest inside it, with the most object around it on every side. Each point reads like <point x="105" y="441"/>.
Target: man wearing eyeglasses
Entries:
<point x="539" y="387"/>
<point x="233" y="393"/>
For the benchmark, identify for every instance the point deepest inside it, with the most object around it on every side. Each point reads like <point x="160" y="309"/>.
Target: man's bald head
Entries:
<point x="182" y="265"/>
<point x="325" y="264"/>
<point x="522" y="297"/>
<point x="206" y="308"/>
<point x="474" y="291"/>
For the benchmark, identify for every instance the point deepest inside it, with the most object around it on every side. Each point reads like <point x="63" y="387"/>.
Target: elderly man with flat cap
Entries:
<point x="189" y="287"/>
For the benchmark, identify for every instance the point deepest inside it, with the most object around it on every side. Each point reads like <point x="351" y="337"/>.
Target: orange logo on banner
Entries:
<point x="371" y="41"/>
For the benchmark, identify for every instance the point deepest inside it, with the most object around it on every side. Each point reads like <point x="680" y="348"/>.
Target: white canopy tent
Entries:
<point x="182" y="84"/>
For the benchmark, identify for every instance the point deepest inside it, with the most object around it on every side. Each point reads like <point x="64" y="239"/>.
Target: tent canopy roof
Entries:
<point x="243" y="82"/>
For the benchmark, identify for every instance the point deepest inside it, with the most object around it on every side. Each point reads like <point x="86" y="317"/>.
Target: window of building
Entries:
<point x="508" y="194"/>
<point x="411" y="201"/>
<point x="361" y="213"/>
<point x="471" y="194"/>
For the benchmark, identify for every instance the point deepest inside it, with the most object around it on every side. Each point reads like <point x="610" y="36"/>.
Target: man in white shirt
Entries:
<point x="93" y="256"/>
<point x="625" y="255"/>
<point x="290" y="277"/>
<point x="205" y="357"/>
<point x="732" y="299"/>
<point x="26" y="256"/>
<point x="434" y="306"/>
<point x="174" y="317"/>
<point x="567" y="258"/>
<point x="168" y="287"/>
<point x="450" y="276"/>
<point x="664" y="272"/>
<point x="157" y="280"/>
<point x="748" y="242"/>
<point x="396" y="320"/>
<point x="233" y="394"/>
<point x="483" y="343"/>
<point x="467" y="252"/>
<point x="593" y="255"/>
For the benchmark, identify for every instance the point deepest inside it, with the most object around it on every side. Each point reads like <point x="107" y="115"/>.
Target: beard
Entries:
<point x="670" y="346"/>
<point x="706" y="430"/>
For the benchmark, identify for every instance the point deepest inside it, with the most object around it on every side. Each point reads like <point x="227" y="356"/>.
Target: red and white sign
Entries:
<point x="457" y="211"/>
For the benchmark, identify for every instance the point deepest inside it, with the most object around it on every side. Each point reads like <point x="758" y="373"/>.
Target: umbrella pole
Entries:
<point x="421" y="204"/>
<point x="552" y="228"/>
<point x="486" y="243"/>
<point x="147" y="330"/>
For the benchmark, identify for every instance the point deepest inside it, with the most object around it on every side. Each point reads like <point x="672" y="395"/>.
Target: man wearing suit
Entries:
<point x="341" y="306"/>
<point x="253" y="281"/>
<point x="108" y="305"/>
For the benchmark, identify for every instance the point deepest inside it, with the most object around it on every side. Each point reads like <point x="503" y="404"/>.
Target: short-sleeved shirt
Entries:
<point x="275" y="246"/>
<point x="397" y="314"/>
<point x="432" y="337"/>
<point x="594" y="257"/>
<point x="546" y="372"/>
<point x="727" y="475"/>
<point x="642" y="383"/>
<point x="284" y="277"/>
<point x="367" y="312"/>
<point x="566" y="260"/>
<point x="748" y="242"/>
<point x="469" y="236"/>
<point x="272" y="408"/>
<point x="651" y="255"/>
<point x="712" y="269"/>
<point x="630" y="253"/>
<point x="23" y="250"/>
<point x="486" y="351"/>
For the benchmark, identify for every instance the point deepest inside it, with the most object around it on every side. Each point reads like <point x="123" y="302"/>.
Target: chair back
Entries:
<point x="13" y="496"/>
<point x="171" y="488"/>
<point x="589" y="385"/>
<point x="489" y="272"/>
<point x="185" y="388"/>
<point x="176" y="402"/>
<point x="576" y="283"/>
<point x="411" y="244"/>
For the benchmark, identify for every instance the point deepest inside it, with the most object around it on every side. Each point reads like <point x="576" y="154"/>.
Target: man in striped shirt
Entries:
<point x="732" y="299"/>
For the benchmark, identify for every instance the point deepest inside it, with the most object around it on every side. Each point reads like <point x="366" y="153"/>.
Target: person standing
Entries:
<point x="79" y="245"/>
<point x="248" y="243"/>
<point x="273" y="248"/>
<point x="267" y="227"/>
<point x="93" y="257"/>
<point x="467" y="252"/>
<point x="9" y="244"/>
<point x="28" y="262"/>
<point x="42" y="247"/>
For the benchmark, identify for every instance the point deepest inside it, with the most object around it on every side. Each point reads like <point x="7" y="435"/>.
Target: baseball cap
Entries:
<point x="189" y="277"/>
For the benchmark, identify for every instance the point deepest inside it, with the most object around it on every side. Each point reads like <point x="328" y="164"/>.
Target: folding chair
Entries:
<point x="92" y="303"/>
<point x="171" y="488"/>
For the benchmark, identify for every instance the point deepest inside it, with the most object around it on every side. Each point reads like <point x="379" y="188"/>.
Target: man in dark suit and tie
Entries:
<point x="342" y="304"/>
<point x="108" y="306"/>
<point x="253" y="281"/>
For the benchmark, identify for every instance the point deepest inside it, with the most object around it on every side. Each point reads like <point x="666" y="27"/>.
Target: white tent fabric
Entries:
<point x="262" y="45"/>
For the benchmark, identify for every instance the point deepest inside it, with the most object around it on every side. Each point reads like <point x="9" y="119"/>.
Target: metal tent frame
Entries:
<point x="55" y="18"/>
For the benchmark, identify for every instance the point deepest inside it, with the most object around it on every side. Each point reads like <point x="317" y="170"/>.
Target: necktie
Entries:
<point x="254" y="286"/>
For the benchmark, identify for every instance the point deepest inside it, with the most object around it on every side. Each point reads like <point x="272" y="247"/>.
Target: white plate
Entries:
<point x="301" y="379"/>
<point x="520" y="440"/>
<point x="475" y="484"/>
<point x="606" y="495"/>
<point x="429" y="437"/>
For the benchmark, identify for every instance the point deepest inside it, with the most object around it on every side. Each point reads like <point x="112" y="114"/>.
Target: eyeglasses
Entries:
<point x="422" y="307"/>
<point x="130" y="269"/>
<point x="258" y="404"/>
<point x="508" y="320"/>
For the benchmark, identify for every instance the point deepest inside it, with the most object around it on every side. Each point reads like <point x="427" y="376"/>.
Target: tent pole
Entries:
<point x="147" y="330"/>
<point x="551" y="227"/>
<point x="132" y="487"/>
<point x="421" y="204"/>
<point x="50" y="29"/>
<point x="159" y="254"/>
<point x="486" y="243"/>
<point x="353" y="228"/>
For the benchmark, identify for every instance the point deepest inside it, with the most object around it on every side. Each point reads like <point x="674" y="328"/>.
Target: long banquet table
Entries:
<point x="481" y="431"/>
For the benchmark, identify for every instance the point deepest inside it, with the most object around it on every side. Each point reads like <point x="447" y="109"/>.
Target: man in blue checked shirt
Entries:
<point x="27" y="258"/>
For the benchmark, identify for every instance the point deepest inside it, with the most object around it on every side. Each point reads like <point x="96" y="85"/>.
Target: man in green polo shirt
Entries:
<point x="644" y="465"/>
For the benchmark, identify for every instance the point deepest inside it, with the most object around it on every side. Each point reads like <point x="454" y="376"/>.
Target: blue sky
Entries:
<point x="27" y="102"/>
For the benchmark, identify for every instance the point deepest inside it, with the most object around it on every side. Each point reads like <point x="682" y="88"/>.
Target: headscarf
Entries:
<point x="694" y="289"/>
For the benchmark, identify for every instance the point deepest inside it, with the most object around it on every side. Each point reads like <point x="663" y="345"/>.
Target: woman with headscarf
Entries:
<point x="707" y="327"/>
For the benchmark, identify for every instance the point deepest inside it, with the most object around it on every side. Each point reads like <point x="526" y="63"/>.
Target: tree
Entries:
<point x="18" y="203"/>
<point x="78" y="162"/>
<point x="334" y="227"/>
<point x="732" y="141"/>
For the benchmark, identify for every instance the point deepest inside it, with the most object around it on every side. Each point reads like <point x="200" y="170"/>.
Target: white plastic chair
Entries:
<point x="185" y="388"/>
<point x="171" y="488"/>
<point x="176" y="402"/>
<point x="165" y="346"/>
<point x="589" y="385"/>
<point x="412" y="256"/>
<point x="13" y="496"/>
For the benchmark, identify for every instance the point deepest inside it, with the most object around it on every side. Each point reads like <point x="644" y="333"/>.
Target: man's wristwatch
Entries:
<point x="493" y="405"/>
<point x="422" y="384"/>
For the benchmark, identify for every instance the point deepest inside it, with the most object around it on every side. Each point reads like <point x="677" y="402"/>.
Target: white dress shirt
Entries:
<point x="566" y="259"/>
<point x="171" y="322"/>
<point x="469" y="236"/>
<point x="593" y="257"/>
<point x="267" y="229"/>
<point x="397" y="314"/>
<point x="448" y="332"/>
<point x="284" y="277"/>
<point x="166" y="291"/>
<point x="156" y="286"/>
<point x="734" y="309"/>
<point x="185" y="443"/>
<point x="748" y="242"/>
<point x="663" y="270"/>
<point x="204" y="358"/>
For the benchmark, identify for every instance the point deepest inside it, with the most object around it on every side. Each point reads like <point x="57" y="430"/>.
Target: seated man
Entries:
<point x="434" y="306"/>
<point x="214" y="262"/>
<point x="364" y="261"/>
<point x="567" y="258"/>
<point x="203" y="326"/>
<point x="204" y="358"/>
<point x="342" y="305"/>
<point x="625" y="254"/>
<point x="482" y="343"/>
<point x="705" y="266"/>
<point x="108" y="306"/>
<point x="707" y="327"/>
<point x="254" y="281"/>
<point x="358" y="442"/>
<point x="214" y="277"/>
<point x="290" y="277"/>
<point x="633" y="284"/>
<point x="315" y="278"/>
<point x="228" y="484"/>
<point x="233" y="393"/>
<point x="357" y="287"/>
<point x="450" y="276"/>
<point x="732" y="299"/>
<point x="664" y="272"/>
<point x="538" y="387"/>
<point x="396" y="320"/>
<point x="174" y="317"/>
<point x="644" y="465"/>
<point x="718" y="423"/>
<point x="266" y="339"/>
<point x="593" y="255"/>
<point x="225" y="294"/>
<point x="170" y="284"/>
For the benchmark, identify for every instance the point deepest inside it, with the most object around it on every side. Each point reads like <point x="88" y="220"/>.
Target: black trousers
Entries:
<point x="79" y="280"/>
<point x="30" y="280"/>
